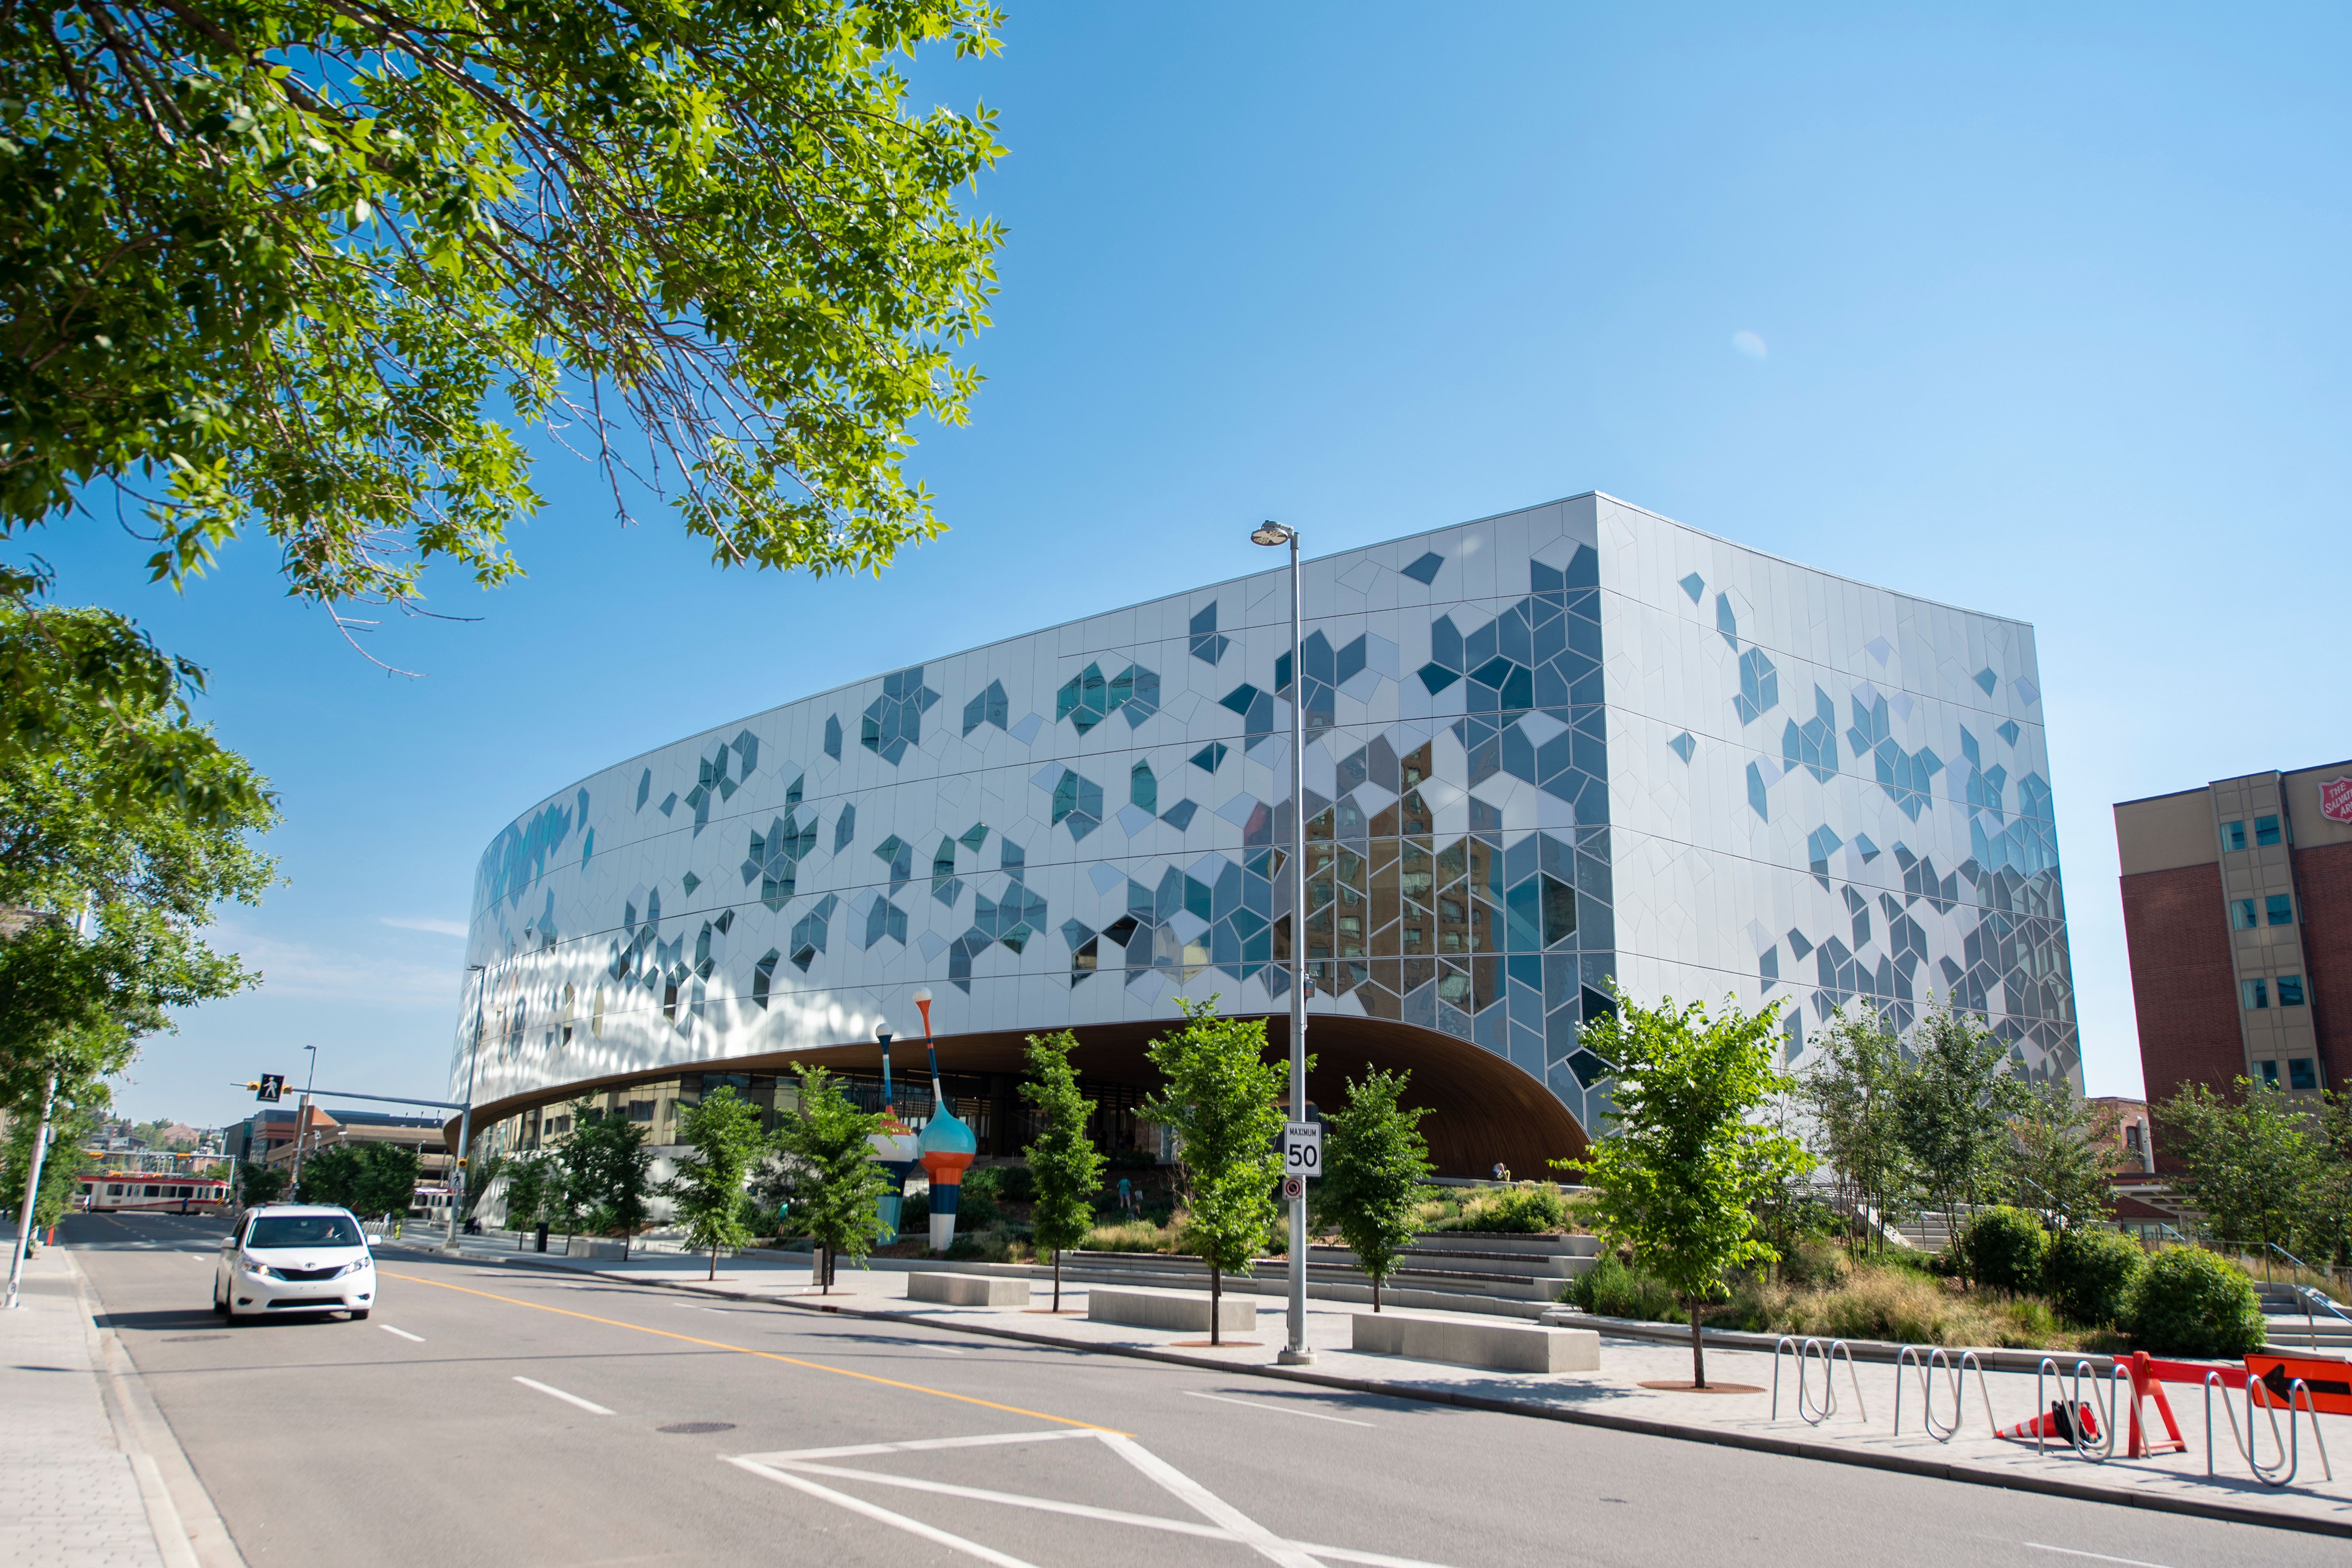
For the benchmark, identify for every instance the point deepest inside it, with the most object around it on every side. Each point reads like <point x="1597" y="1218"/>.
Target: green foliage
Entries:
<point x="1683" y="1166"/>
<point x="70" y="1126"/>
<point x="259" y="1184"/>
<point x="1851" y="1093"/>
<point x="1065" y="1168"/>
<point x="109" y="799"/>
<point x="2061" y="1151"/>
<point x="1534" y="1209"/>
<point x="2327" y="1203"/>
<point x="2090" y="1273"/>
<point x="976" y="1207"/>
<point x="724" y="1139"/>
<point x="605" y="1172"/>
<point x="1816" y="1264"/>
<point x="1610" y="1290"/>
<point x="1953" y="1108"/>
<point x="2002" y="1248"/>
<point x="1374" y="1162"/>
<point x="365" y="1178"/>
<point x="527" y="1195"/>
<point x="2249" y="1160"/>
<point x="300" y="263"/>
<point x="824" y="1170"/>
<point x="2189" y="1302"/>
<point x="1018" y="1184"/>
<point x="1221" y="1095"/>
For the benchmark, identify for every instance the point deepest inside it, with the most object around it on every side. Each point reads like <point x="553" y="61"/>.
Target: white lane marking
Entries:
<point x="922" y="1444"/>
<point x="777" y="1463"/>
<point x="943" y="1350"/>
<point x="1241" y="1526"/>
<point x="911" y="1526"/>
<point x="1278" y="1409"/>
<point x="404" y="1334"/>
<point x="592" y="1408"/>
<point x="2095" y="1556"/>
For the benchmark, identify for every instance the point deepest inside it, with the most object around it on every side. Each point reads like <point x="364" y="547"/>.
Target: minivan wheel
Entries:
<point x="220" y="1303"/>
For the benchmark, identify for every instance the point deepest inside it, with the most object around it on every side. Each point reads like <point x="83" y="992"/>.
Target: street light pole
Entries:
<point x="466" y="1116"/>
<point x="31" y="1192"/>
<point x="1295" y="1351"/>
<point x="302" y="1118"/>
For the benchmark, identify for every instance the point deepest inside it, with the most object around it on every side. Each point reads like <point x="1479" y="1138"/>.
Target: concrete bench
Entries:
<point x="1142" y="1309"/>
<point x="597" y="1247"/>
<point x="967" y="1290"/>
<point x="1497" y="1347"/>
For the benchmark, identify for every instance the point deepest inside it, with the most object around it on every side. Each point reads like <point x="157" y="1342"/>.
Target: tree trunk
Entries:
<point x="714" y="1262"/>
<point x="1216" y="1294"/>
<point x="1376" y="1292"/>
<point x="1057" y="1282"/>
<point x="1698" y="1349"/>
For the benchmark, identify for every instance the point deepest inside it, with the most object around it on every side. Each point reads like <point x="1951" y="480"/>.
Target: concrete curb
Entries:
<point x="1792" y="1448"/>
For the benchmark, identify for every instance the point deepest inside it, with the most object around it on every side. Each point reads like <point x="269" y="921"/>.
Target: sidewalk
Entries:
<point x="74" y="1496"/>
<point x="1615" y="1396"/>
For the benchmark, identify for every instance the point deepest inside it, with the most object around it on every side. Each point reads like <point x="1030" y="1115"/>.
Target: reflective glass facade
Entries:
<point x="1545" y="750"/>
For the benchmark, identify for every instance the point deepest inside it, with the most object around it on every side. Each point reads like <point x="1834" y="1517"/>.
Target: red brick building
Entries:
<point x="2238" y="913"/>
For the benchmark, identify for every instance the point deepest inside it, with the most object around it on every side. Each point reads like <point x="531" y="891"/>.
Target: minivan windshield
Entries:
<point x="302" y="1230"/>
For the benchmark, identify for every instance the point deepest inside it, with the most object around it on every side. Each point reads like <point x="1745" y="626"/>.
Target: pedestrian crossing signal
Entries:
<point x="272" y="1084"/>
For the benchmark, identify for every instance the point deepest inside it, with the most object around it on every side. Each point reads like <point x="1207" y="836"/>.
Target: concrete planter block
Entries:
<point x="1497" y="1347"/>
<point x="1141" y="1310"/>
<point x="967" y="1290"/>
<point x="597" y="1247"/>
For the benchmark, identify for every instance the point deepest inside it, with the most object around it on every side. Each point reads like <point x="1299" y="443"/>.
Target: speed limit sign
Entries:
<point x="1302" y="1148"/>
<point x="1292" y="1188"/>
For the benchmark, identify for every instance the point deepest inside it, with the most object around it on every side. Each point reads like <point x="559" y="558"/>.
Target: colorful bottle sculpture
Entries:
<point x="946" y="1146"/>
<point x="894" y="1150"/>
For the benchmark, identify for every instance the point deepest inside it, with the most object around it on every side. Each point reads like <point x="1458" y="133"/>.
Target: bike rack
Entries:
<point x="1942" y="1432"/>
<point x="1827" y="1350"/>
<point x="2280" y="1474"/>
<point x="2105" y="1447"/>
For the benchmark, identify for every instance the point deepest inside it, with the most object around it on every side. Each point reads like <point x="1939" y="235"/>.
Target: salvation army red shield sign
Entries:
<point x="2336" y="800"/>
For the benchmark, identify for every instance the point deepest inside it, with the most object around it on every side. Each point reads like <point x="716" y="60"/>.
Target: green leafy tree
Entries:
<point x="1065" y="1167"/>
<point x="725" y="1140"/>
<point x="1222" y="1099"/>
<point x="1374" y="1162"/>
<point x="2061" y="1151"/>
<point x="2249" y="1162"/>
<point x="608" y="1174"/>
<point x="1683" y="1167"/>
<point x="387" y="1179"/>
<point x="331" y="1175"/>
<point x="70" y="1126"/>
<point x="1851" y="1092"/>
<point x="259" y="1184"/>
<point x="308" y="265"/>
<point x="2328" y="1210"/>
<point x="2189" y="1302"/>
<point x="527" y="1190"/>
<point x="1955" y="1105"/>
<point x="826" y="1173"/>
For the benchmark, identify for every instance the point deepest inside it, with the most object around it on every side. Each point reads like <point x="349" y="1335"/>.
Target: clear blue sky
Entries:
<point x="2051" y="321"/>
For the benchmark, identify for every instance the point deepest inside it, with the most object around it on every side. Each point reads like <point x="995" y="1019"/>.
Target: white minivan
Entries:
<point x="294" y="1258"/>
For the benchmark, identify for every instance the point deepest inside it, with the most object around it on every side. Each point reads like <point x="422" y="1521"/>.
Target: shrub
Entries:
<point x="976" y="1210"/>
<point x="1817" y="1266"/>
<point x="915" y="1215"/>
<point x="2003" y="1247"/>
<point x="2090" y="1273"/>
<point x="1520" y="1211"/>
<point x="2189" y="1302"/>
<point x="1016" y="1185"/>
<point x="1610" y="1290"/>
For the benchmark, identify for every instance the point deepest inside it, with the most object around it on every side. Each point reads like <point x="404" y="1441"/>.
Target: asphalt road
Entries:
<point x="501" y="1415"/>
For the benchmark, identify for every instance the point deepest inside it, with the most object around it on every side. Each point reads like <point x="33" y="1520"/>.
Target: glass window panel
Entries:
<point x="2279" y="909"/>
<point x="2301" y="1074"/>
<point x="2290" y="990"/>
<point x="2270" y="1074"/>
<point x="2241" y="914"/>
<point x="2266" y="830"/>
<point x="2254" y="994"/>
<point x="2233" y="835"/>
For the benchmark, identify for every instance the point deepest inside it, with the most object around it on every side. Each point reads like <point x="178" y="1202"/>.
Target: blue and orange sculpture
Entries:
<point x="946" y="1146"/>
<point x="894" y="1150"/>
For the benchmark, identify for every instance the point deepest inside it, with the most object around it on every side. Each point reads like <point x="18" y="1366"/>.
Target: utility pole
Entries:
<point x="302" y="1118"/>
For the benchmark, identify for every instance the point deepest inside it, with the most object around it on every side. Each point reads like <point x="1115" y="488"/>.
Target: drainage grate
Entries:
<point x="692" y="1426"/>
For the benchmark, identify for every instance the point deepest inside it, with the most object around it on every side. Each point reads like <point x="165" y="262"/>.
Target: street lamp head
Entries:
<point x="1271" y="532"/>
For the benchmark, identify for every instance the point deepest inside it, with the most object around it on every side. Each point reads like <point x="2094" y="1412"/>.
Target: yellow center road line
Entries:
<point x="746" y="1350"/>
